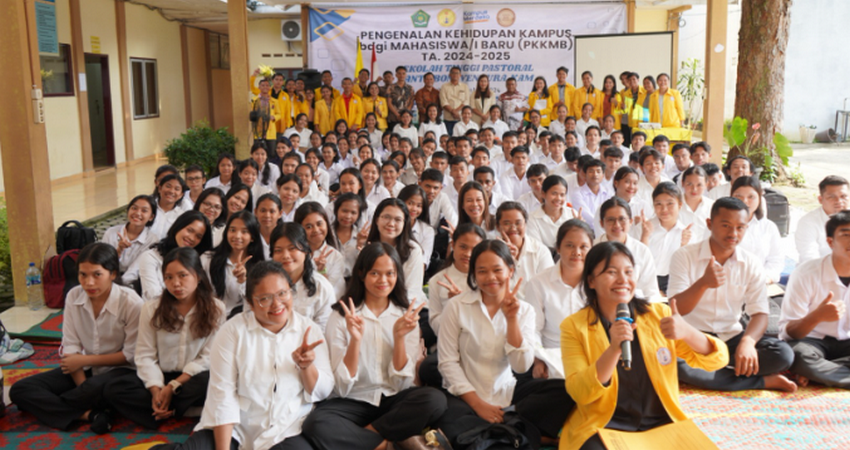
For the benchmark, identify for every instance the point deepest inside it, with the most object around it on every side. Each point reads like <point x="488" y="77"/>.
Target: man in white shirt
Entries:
<point x="588" y="198"/>
<point x="681" y="162"/>
<point x="810" y="236"/>
<point x="662" y="144"/>
<point x="512" y="183"/>
<point x="502" y="164"/>
<point x="487" y="178"/>
<point x="534" y="177"/>
<point x="713" y="282"/>
<point x="454" y="95"/>
<point x="459" y="169"/>
<point x="813" y="319"/>
<point x="440" y="207"/>
<point x="617" y="142"/>
<point x="613" y="157"/>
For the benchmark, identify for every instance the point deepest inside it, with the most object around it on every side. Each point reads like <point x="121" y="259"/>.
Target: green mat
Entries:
<point x="49" y="329"/>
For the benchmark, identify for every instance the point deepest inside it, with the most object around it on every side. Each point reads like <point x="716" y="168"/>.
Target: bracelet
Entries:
<point x="175" y="386"/>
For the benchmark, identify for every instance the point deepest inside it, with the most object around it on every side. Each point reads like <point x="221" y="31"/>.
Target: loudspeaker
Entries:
<point x="312" y="78"/>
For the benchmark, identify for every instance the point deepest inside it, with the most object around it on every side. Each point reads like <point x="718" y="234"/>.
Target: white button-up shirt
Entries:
<point x="529" y="202"/>
<point x="216" y="182"/>
<point x="150" y="274"/>
<point x="553" y="301"/>
<point x="763" y="241"/>
<point x="544" y="229"/>
<point x="164" y="219"/>
<point x="438" y="129"/>
<point x="160" y="351"/>
<point x="461" y="128"/>
<point x="474" y="351"/>
<point x="697" y="217"/>
<point x="317" y="307"/>
<point x="255" y="384"/>
<point x="442" y="208"/>
<point x="137" y="246"/>
<point x="499" y="127"/>
<point x="438" y="296"/>
<point x="808" y="286"/>
<point x="588" y="202"/>
<point x="645" y="189"/>
<point x="424" y="235"/>
<point x="810" y="236"/>
<point x="511" y="185"/>
<point x="335" y="266"/>
<point x="663" y="243"/>
<point x="534" y="257"/>
<point x="719" y="310"/>
<point x="234" y="291"/>
<point x="414" y="274"/>
<point x="113" y="330"/>
<point x="376" y="374"/>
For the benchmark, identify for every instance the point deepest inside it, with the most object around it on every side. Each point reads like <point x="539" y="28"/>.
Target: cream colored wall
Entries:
<point x="264" y="37"/>
<point x="650" y="20"/>
<point x="151" y="36"/>
<point x="198" y="84"/>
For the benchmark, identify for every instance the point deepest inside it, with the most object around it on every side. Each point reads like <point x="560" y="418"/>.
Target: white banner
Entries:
<point x="501" y="41"/>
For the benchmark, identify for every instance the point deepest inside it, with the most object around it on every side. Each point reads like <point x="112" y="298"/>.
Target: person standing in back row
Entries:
<point x="454" y="95"/>
<point x="399" y="97"/>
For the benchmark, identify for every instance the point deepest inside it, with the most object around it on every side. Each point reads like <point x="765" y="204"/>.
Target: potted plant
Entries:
<point x="807" y="133"/>
<point x="200" y="144"/>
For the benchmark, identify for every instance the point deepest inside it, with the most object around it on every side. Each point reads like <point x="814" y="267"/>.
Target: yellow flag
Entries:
<point x="358" y="65"/>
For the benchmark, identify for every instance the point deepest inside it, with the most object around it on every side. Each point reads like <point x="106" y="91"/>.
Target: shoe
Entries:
<point x="432" y="440"/>
<point x="101" y="422"/>
<point x="437" y="439"/>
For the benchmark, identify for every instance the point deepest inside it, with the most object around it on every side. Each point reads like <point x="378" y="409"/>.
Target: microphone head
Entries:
<point x="623" y="310"/>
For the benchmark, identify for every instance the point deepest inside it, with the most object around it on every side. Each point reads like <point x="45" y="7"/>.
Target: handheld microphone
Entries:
<point x="623" y="313"/>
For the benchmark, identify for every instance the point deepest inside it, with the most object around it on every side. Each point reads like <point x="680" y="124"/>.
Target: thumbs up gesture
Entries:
<point x="828" y="310"/>
<point x="715" y="274"/>
<point x="673" y="327"/>
<point x="686" y="235"/>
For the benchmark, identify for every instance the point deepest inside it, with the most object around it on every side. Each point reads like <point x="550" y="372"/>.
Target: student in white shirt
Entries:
<point x="310" y="191"/>
<point x="736" y="167"/>
<point x="555" y="294"/>
<point x="465" y="123"/>
<point x="314" y="294"/>
<point x="211" y="204"/>
<point x="616" y="219"/>
<point x="625" y="186"/>
<point x="330" y="162"/>
<point x="405" y="128"/>
<point x="313" y="158"/>
<point x="389" y="177"/>
<point x="268" y="172"/>
<point x="495" y="121"/>
<point x="534" y="176"/>
<point x="661" y="143"/>
<point x="585" y="121"/>
<point x="289" y="191"/>
<point x="224" y="177"/>
<point x="248" y="173"/>
<point x="191" y="229"/>
<point x="228" y="264"/>
<point x="613" y="158"/>
<point x="544" y="222"/>
<point x="348" y="209"/>
<point x="512" y="182"/>
<point x="558" y="124"/>
<point x="169" y="203"/>
<point x="327" y="259"/>
<point x="665" y="233"/>
<point x="814" y="310"/>
<point x="439" y="204"/>
<point x="370" y="170"/>
<point x="195" y="179"/>
<point x="432" y="122"/>
<point x="268" y="366"/>
<point x="762" y="237"/>
<point x="696" y="209"/>
<point x="420" y="224"/>
<point x="459" y="175"/>
<point x="269" y="217"/>
<point x="134" y="237"/>
<point x="100" y="323"/>
<point x="391" y="225"/>
<point x="530" y="255"/>
<point x="239" y="198"/>
<point x="713" y="283"/>
<point x="592" y="139"/>
<point x="714" y="177"/>
<point x="652" y="165"/>
<point x="473" y="206"/>
<point x="588" y="198"/>
<point x="810" y="238"/>
<point x="486" y="334"/>
<point x="681" y="162"/>
<point x="374" y="347"/>
<point x="172" y="348"/>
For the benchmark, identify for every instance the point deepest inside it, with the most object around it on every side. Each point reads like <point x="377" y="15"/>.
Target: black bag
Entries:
<point x="73" y="238"/>
<point x="778" y="210"/>
<point x="514" y="433"/>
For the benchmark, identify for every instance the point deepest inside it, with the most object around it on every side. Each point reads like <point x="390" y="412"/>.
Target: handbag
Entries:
<point x="73" y="237"/>
<point x="513" y="433"/>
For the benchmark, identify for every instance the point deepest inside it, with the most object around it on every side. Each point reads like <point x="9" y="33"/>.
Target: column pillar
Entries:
<point x="630" y="15"/>
<point x="124" y="73"/>
<point x="79" y="63"/>
<point x="237" y="26"/>
<point x="715" y="76"/>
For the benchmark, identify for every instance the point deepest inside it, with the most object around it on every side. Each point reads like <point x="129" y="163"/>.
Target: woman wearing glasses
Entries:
<point x="267" y="368"/>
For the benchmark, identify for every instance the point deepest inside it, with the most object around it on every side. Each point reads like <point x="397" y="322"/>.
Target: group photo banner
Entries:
<point x="500" y="40"/>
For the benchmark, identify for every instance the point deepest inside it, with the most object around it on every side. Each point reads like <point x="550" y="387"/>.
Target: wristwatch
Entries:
<point x="175" y="386"/>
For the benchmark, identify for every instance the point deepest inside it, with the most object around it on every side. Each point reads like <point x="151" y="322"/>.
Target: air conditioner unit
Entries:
<point x="290" y="30"/>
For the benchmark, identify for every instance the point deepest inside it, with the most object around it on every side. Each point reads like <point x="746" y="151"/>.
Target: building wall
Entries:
<point x="650" y="20"/>
<point x="264" y="38"/>
<point x="198" y="83"/>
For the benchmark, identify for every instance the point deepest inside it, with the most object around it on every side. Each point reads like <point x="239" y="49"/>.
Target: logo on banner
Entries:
<point x="326" y="23"/>
<point x="420" y="19"/>
<point x="506" y="17"/>
<point x="446" y="18"/>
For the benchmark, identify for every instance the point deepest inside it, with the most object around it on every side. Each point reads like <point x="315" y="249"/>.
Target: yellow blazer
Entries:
<point x="674" y="111"/>
<point x="631" y="108"/>
<point x="318" y="91"/>
<point x="299" y="107"/>
<point x="274" y="113"/>
<point x="555" y="95"/>
<point x="358" y="90"/>
<point x="582" y="344"/>
<point x="322" y="117"/>
<point x="379" y="107"/>
<point x="545" y="114"/>
<point x="353" y="116"/>
<point x="595" y="98"/>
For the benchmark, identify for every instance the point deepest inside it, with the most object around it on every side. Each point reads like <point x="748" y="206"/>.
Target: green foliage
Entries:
<point x="782" y="147"/>
<point x="745" y="140"/>
<point x="796" y="177"/>
<point x="736" y="132"/>
<point x="5" y="249"/>
<point x="200" y="144"/>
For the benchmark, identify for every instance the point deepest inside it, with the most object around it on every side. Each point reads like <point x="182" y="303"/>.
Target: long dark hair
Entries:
<point x="218" y="264"/>
<point x="494" y="245"/>
<point x="235" y="189"/>
<point x="298" y="237"/>
<point x="356" y="174"/>
<point x="478" y="92"/>
<point x="169" y="242"/>
<point x="402" y="242"/>
<point x="260" y="144"/>
<point x="166" y="179"/>
<point x="411" y="191"/>
<point x="462" y="229"/>
<point x="213" y="191"/>
<point x="602" y="253"/>
<point x="487" y="223"/>
<point x="613" y="88"/>
<point x="207" y="314"/>
<point x="246" y="163"/>
<point x="356" y="289"/>
<point x="234" y="178"/>
<point x="754" y="183"/>
<point x="308" y="208"/>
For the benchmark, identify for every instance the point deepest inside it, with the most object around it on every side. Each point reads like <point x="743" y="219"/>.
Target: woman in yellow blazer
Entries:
<point x="611" y="100"/>
<point x="588" y="93"/>
<point x="374" y="103"/>
<point x="536" y="98"/>
<point x="672" y="112"/>
<point x="302" y="101"/>
<point x="590" y="345"/>
<point x="323" y="121"/>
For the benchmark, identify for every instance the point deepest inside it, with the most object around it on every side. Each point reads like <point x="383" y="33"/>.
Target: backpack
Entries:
<point x="60" y="276"/>
<point x="778" y="210"/>
<point x="76" y="237"/>
<point x="514" y="433"/>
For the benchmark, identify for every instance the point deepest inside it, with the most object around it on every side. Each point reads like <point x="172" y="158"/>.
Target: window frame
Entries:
<point x="145" y="62"/>
<point x="69" y="74"/>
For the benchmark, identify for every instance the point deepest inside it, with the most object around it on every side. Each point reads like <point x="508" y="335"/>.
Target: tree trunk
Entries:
<point x="759" y="91"/>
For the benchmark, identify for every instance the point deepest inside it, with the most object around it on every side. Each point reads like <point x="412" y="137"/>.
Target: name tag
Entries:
<point x="664" y="356"/>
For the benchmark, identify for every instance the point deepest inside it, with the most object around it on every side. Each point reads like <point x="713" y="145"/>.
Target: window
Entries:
<point x="57" y="78"/>
<point x="219" y="51"/>
<point x="145" y="88"/>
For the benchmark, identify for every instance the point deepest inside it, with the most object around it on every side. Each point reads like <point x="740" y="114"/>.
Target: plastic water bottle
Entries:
<point x="35" y="290"/>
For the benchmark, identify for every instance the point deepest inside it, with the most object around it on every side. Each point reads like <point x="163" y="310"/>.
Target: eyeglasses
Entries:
<point x="282" y="296"/>
<point x="191" y="179"/>
<point x="211" y="206"/>
<point x="508" y="225"/>
<point x="388" y="218"/>
<point x="621" y="220"/>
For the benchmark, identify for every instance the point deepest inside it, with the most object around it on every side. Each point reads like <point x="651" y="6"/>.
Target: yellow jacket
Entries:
<point x="595" y="98"/>
<point x="284" y="121"/>
<point x="353" y="115"/>
<point x="274" y="119"/>
<point x="318" y="91"/>
<point x="322" y="117"/>
<point x="674" y="111"/>
<point x="631" y="108"/>
<point x="545" y="113"/>
<point x="379" y="107"/>
<point x="615" y="110"/>
<point x="358" y="90"/>
<point x="582" y="344"/>
<point x="300" y="107"/>
<point x="555" y="95"/>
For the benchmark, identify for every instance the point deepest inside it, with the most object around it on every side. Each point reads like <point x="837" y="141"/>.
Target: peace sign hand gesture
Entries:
<point x="510" y="305"/>
<point x="451" y="287"/>
<point x="513" y="248"/>
<point x="123" y="242"/>
<point x="407" y="322"/>
<point x="303" y="356"/>
<point x="239" y="270"/>
<point x="353" y="322"/>
<point x="322" y="259"/>
<point x="363" y="235"/>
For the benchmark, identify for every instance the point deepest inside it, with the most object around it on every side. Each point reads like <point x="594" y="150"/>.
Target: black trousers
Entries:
<point x="55" y="400"/>
<point x="205" y="440"/>
<point x="128" y="396"/>
<point x="339" y="423"/>
<point x="429" y="372"/>
<point x="774" y="356"/>
<point x="544" y="403"/>
<point x="826" y="361"/>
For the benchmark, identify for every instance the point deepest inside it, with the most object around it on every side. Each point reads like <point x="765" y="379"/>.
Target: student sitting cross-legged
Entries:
<point x="713" y="281"/>
<point x="607" y="394"/>
<point x="814" y="312"/>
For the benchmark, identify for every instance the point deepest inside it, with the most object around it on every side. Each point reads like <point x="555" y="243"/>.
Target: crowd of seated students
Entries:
<point x="362" y="278"/>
